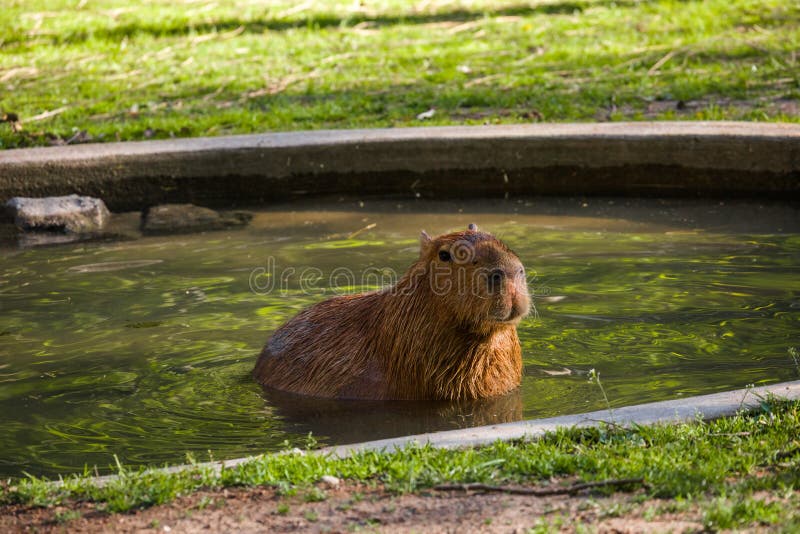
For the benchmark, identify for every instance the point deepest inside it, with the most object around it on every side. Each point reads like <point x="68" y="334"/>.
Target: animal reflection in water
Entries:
<point x="350" y="421"/>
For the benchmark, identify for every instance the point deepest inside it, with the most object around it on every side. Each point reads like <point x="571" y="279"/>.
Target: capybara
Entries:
<point x="446" y="330"/>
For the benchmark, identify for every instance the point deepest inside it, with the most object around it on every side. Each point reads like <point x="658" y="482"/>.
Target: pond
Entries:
<point x="143" y="348"/>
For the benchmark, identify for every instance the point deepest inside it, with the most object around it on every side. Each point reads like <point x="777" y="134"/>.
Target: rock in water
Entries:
<point x="181" y="218"/>
<point x="70" y="214"/>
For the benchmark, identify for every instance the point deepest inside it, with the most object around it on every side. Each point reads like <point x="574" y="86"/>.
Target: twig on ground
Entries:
<point x="465" y="26"/>
<point x="47" y="114"/>
<point x="336" y="57"/>
<point x="658" y="64"/>
<point x="216" y="35"/>
<point x="25" y="72"/>
<point x="124" y="75"/>
<point x="540" y="492"/>
<point x="479" y="81"/>
<point x="294" y="10"/>
<point x="280" y="85"/>
<point x="233" y="33"/>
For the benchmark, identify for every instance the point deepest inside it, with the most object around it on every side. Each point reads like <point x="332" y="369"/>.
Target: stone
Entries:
<point x="183" y="218"/>
<point x="120" y="227"/>
<point x="330" y="481"/>
<point x="70" y="214"/>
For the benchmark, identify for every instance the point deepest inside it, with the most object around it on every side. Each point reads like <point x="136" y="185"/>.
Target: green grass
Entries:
<point x="738" y="471"/>
<point x="123" y="70"/>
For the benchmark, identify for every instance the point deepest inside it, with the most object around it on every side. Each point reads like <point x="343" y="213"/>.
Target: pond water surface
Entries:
<point x="143" y="348"/>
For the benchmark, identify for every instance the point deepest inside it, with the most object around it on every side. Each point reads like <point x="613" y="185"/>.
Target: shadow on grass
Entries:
<point x="592" y="87"/>
<point x="160" y="28"/>
<point x="576" y="93"/>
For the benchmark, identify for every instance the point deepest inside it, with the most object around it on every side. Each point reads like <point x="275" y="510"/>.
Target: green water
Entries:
<point x="143" y="348"/>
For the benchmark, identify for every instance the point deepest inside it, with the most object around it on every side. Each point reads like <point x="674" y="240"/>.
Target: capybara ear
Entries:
<point x="425" y="243"/>
<point x="472" y="227"/>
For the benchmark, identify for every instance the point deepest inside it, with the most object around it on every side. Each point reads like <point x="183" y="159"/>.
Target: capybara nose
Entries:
<point x="512" y="289"/>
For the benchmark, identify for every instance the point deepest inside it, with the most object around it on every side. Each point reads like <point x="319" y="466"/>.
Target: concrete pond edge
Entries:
<point x="705" y="407"/>
<point x="686" y="159"/>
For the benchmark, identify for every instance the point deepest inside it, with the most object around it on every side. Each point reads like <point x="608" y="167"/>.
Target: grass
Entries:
<point x="739" y="471"/>
<point x="74" y="70"/>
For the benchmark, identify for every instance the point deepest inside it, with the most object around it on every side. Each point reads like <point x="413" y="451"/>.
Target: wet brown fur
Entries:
<point x="413" y="340"/>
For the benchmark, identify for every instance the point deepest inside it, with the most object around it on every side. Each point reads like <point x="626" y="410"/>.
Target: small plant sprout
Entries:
<point x="795" y="354"/>
<point x="747" y="390"/>
<point x="594" y="378"/>
<point x="120" y="468"/>
<point x="311" y="442"/>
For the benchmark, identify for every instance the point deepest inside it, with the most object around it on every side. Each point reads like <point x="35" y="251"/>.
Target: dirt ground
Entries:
<point x="359" y="508"/>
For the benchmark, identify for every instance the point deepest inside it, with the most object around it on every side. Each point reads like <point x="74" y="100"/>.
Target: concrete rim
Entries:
<point x="705" y="407"/>
<point x="642" y="158"/>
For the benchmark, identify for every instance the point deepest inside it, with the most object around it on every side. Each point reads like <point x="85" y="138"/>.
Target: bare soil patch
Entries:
<point x="356" y="507"/>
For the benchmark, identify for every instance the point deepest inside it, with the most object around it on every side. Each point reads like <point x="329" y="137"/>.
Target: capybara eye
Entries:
<point x="495" y="279"/>
<point x="444" y="255"/>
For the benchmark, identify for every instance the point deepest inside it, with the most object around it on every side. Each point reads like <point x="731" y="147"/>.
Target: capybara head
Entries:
<point x="475" y="278"/>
